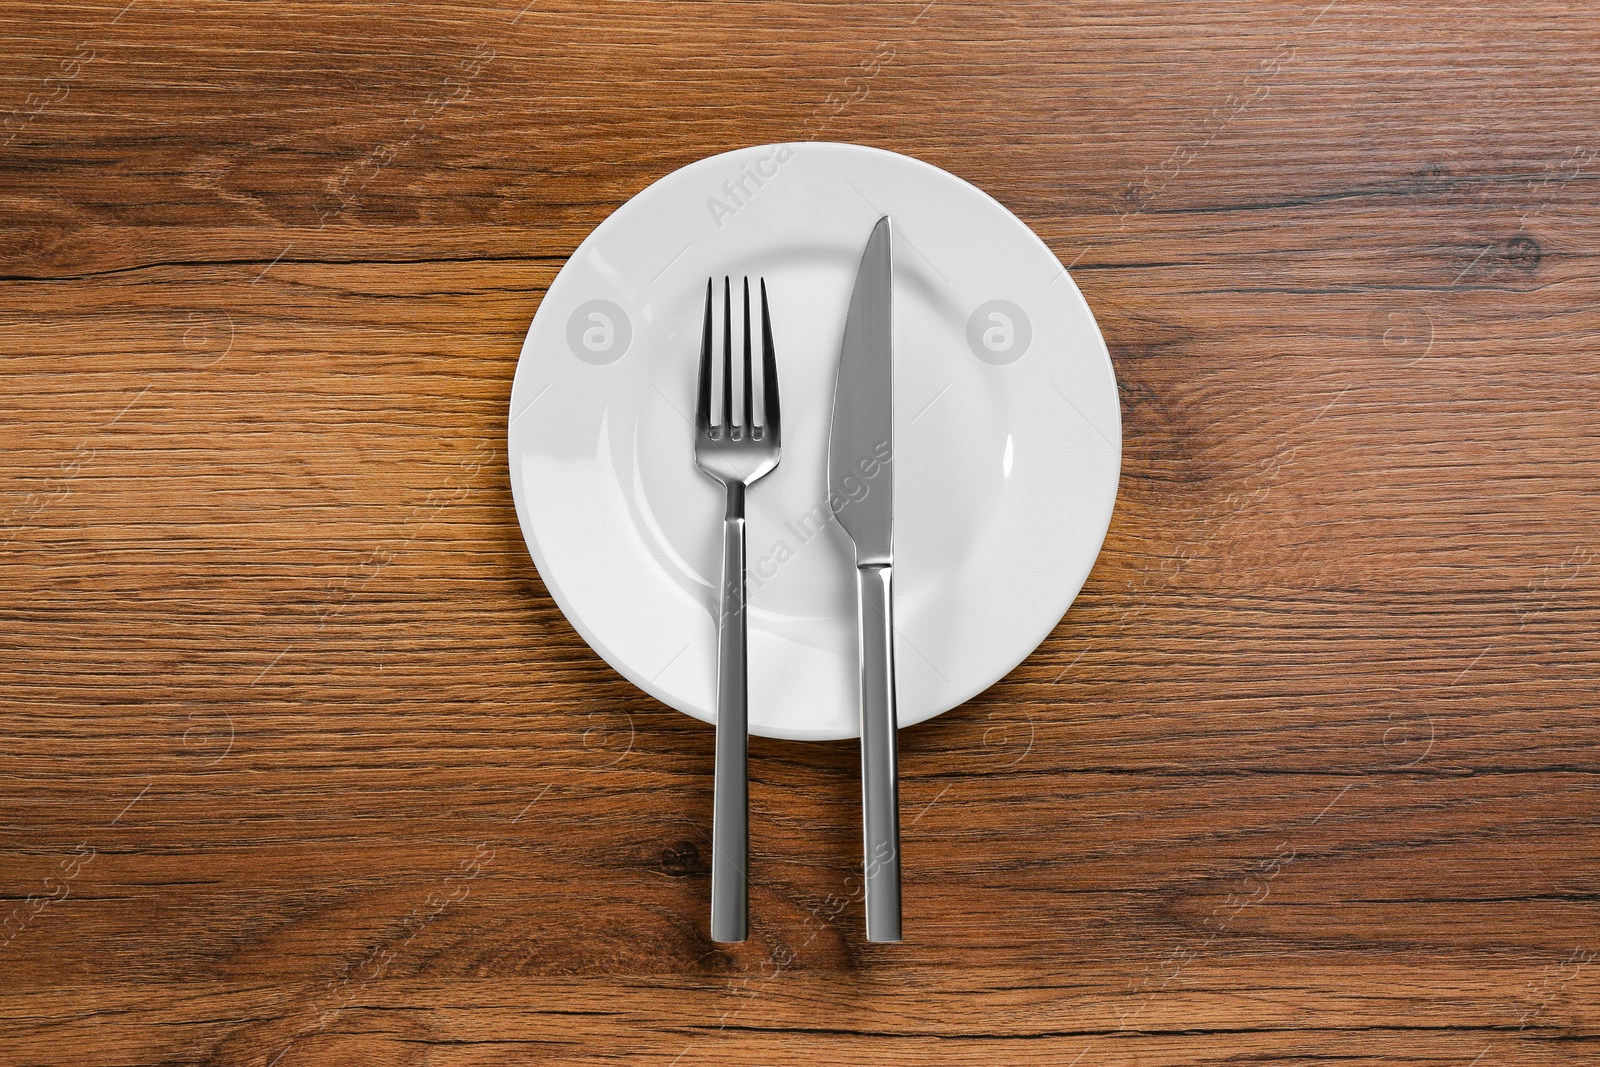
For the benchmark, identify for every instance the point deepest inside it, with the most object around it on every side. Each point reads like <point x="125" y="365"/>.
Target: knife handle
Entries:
<point x="880" y="757"/>
<point x="730" y="816"/>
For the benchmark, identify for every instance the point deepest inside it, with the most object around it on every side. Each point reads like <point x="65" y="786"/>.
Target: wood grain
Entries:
<point x="302" y="766"/>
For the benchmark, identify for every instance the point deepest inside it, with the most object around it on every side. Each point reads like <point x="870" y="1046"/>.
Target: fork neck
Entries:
<point x="735" y="502"/>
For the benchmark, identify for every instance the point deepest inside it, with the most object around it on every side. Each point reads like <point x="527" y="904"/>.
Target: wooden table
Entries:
<point x="302" y="765"/>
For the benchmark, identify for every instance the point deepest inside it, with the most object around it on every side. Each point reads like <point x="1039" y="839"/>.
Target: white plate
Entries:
<point x="1008" y="435"/>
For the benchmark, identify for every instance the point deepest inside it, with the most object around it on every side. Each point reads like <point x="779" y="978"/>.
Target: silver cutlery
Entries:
<point x="861" y="492"/>
<point x="736" y="454"/>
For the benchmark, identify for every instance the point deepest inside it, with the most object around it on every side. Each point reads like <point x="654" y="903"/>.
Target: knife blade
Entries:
<point x="861" y="496"/>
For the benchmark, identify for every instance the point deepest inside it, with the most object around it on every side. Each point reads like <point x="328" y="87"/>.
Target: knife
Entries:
<point x="861" y="495"/>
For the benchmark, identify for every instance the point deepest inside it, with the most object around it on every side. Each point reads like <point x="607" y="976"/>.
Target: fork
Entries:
<point x="735" y="454"/>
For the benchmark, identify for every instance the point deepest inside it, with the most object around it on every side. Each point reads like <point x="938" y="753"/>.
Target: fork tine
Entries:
<point x="702" y="406"/>
<point x="769" y="374"/>
<point x="749" y="414"/>
<point x="727" y="358"/>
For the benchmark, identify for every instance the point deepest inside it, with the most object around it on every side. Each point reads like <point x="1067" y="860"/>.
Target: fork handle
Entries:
<point x="880" y="756"/>
<point x="730" y="821"/>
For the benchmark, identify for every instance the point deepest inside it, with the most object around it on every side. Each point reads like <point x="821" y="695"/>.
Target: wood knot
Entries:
<point x="1430" y="177"/>
<point x="1523" y="253"/>
<point x="681" y="859"/>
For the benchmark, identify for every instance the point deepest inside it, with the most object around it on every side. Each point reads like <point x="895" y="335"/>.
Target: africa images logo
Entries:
<point x="737" y="191"/>
<point x="809" y="523"/>
<point x="999" y="332"/>
<point x="599" y="332"/>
